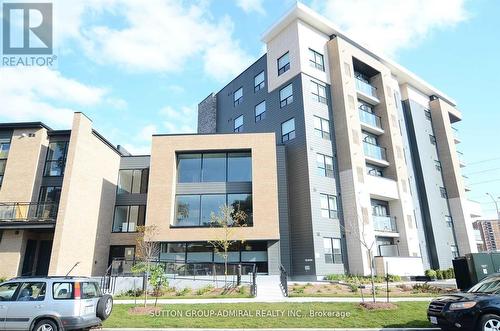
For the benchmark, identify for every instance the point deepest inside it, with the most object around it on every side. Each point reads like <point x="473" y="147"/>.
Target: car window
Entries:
<point x="488" y="285"/>
<point x="7" y="291"/>
<point x="90" y="290"/>
<point x="31" y="292"/>
<point x="62" y="291"/>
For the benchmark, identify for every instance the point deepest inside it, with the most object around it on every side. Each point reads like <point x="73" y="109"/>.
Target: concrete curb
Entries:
<point x="257" y="300"/>
<point x="349" y="329"/>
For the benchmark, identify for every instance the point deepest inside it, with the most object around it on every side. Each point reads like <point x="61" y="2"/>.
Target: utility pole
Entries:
<point x="495" y="201"/>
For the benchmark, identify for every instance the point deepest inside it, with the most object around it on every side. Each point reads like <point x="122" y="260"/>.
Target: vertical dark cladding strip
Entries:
<point x="422" y="194"/>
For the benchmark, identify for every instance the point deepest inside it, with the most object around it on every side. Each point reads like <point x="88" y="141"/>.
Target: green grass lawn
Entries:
<point x="408" y="314"/>
<point x="366" y="294"/>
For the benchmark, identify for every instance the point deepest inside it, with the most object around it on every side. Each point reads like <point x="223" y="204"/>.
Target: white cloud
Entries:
<point x="38" y="93"/>
<point x="182" y="120"/>
<point x="391" y="25"/>
<point x="250" y="6"/>
<point x="160" y="36"/>
<point x="138" y="149"/>
<point x="146" y="132"/>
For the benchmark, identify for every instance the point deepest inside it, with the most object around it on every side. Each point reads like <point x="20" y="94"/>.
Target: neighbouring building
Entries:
<point x="326" y="146"/>
<point x="488" y="235"/>
<point x="371" y="153"/>
<point x="71" y="197"/>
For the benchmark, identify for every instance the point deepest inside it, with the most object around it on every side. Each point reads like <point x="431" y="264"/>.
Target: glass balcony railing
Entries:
<point x="366" y="88"/>
<point x="384" y="223"/>
<point x="374" y="151"/>
<point x="28" y="211"/>
<point x="370" y="118"/>
<point x="455" y="133"/>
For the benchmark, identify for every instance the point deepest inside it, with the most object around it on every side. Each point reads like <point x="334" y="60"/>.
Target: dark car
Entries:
<point x="476" y="309"/>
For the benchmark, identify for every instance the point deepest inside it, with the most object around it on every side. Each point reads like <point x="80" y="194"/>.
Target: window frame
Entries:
<point x="285" y="67"/>
<point x="290" y="135"/>
<point x="320" y="132"/>
<point x="289" y="99"/>
<point x="50" y="161"/>
<point x="443" y="192"/>
<point x="438" y="166"/>
<point x="142" y="190"/>
<point x="3" y="159"/>
<point x="432" y="139"/>
<point x="259" y="117"/>
<point x="128" y="218"/>
<point x="325" y="172"/>
<point x="315" y="91"/>
<point x="336" y="252"/>
<point x="260" y="85"/>
<point x="248" y="223"/>
<point x="239" y="128"/>
<point x="313" y="61"/>
<point x="427" y="114"/>
<point x="238" y="101"/>
<point x="331" y="212"/>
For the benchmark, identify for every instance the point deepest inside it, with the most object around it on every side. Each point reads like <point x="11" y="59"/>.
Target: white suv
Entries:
<point x="52" y="304"/>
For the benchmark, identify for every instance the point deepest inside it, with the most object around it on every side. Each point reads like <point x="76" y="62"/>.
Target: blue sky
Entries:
<point x="140" y="67"/>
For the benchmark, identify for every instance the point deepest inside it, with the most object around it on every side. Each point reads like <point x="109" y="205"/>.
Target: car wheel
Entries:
<point x="489" y="322"/>
<point x="46" y="325"/>
<point x="104" y="307"/>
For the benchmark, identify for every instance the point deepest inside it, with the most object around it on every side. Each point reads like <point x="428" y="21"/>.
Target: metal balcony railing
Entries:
<point x="366" y="88"/>
<point x="374" y="151"/>
<point x="384" y="223"/>
<point x="28" y="211"/>
<point x="370" y="118"/>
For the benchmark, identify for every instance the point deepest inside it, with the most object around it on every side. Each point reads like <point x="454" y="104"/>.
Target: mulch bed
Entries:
<point x="378" y="305"/>
<point x="143" y="310"/>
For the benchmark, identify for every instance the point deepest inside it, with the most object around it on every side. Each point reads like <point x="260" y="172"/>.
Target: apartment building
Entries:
<point x="334" y="154"/>
<point x="488" y="235"/>
<point x="371" y="153"/>
<point x="69" y="200"/>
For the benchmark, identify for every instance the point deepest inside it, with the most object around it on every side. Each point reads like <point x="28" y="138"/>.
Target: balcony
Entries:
<point x="383" y="223"/>
<point x="461" y="161"/>
<point x="375" y="154"/>
<point x="366" y="91"/>
<point x="465" y="180"/>
<point x="28" y="214"/>
<point x="370" y="122"/>
<point x="456" y="136"/>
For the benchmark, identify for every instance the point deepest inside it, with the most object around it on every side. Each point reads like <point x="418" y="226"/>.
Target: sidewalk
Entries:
<point x="350" y="329"/>
<point x="269" y="300"/>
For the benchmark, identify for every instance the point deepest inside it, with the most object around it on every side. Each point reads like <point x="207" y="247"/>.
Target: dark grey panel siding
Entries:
<point x="283" y="208"/>
<point x="300" y="227"/>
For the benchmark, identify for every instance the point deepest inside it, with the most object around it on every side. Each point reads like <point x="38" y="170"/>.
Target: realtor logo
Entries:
<point x="27" y="28"/>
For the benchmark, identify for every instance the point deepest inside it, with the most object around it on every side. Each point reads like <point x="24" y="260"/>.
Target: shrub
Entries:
<point x="242" y="290"/>
<point x="430" y="273"/>
<point x="425" y="288"/>
<point x="356" y="279"/>
<point x="354" y="288"/>
<point x="183" y="292"/>
<point x="3" y="279"/>
<point x="133" y="293"/>
<point x="394" y="278"/>
<point x="299" y="290"/>
<point x="439" y="274"/>
<point x="204" y="290"/>
<point x="452" y="272"/>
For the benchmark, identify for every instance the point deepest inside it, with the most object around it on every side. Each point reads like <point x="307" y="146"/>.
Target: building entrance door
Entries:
<point x="43" y="260"/>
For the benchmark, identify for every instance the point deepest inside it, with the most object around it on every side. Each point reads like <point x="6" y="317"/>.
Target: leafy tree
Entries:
<point x="227" y="221"/>
<point x="147" y="252"/>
